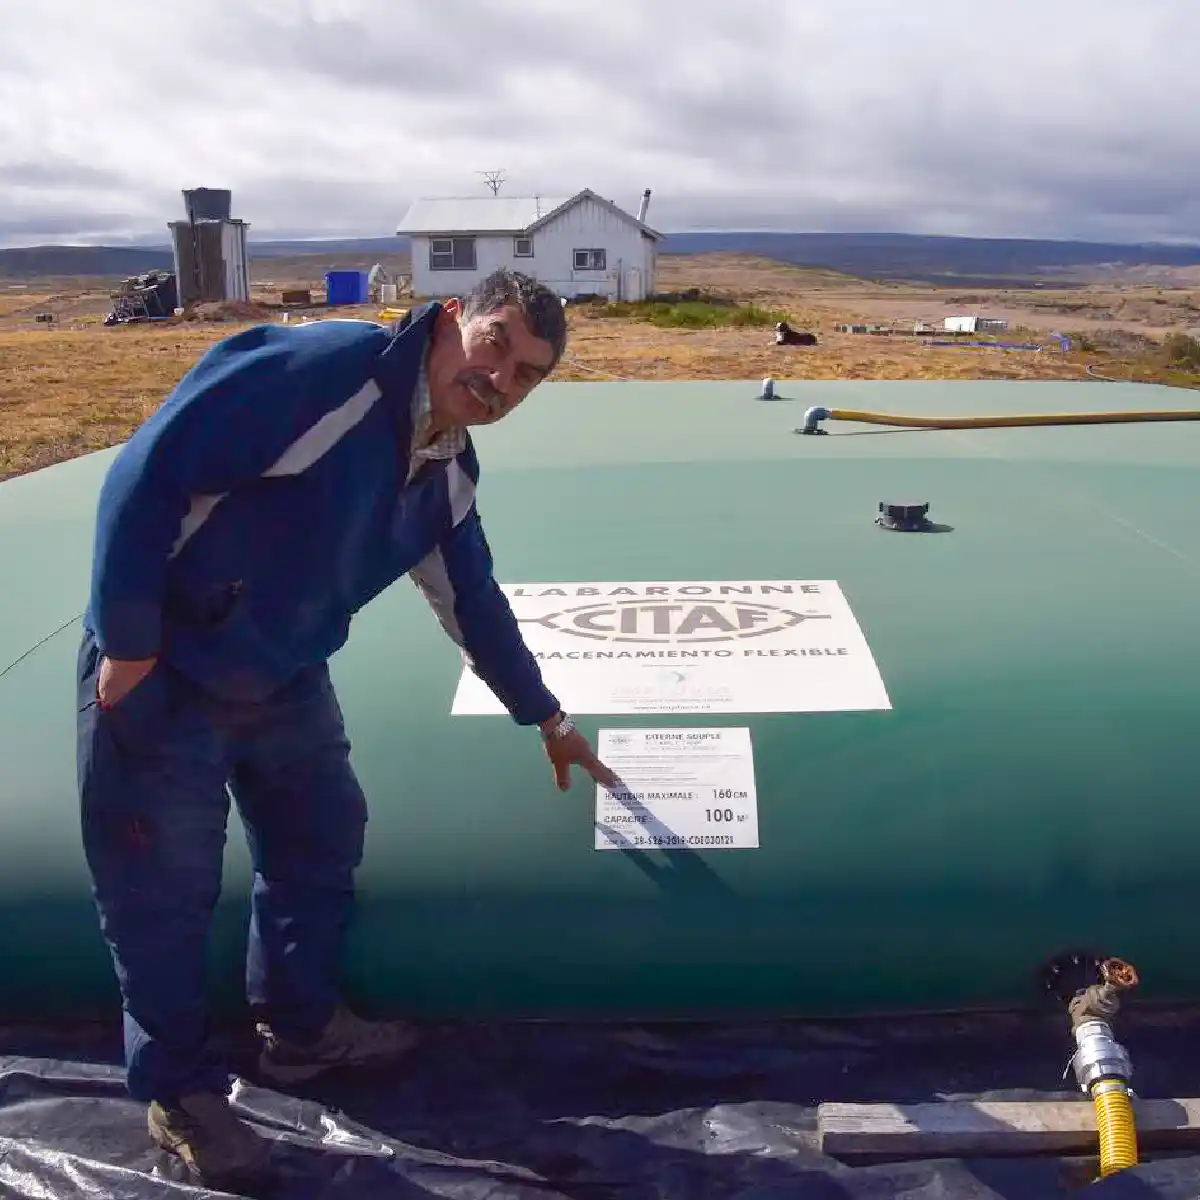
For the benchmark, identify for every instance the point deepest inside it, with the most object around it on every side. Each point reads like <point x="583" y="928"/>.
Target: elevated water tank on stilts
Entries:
<point x="212" y="263"/>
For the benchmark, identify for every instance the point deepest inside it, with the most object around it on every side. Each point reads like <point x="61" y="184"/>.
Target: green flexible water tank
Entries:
<point x="973" y="747"/>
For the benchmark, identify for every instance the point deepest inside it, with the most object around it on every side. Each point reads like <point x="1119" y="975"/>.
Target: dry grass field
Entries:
<point x="75" y="385"/>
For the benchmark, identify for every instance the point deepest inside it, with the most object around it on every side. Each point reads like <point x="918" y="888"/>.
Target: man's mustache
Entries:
<point x="483" y="389"/>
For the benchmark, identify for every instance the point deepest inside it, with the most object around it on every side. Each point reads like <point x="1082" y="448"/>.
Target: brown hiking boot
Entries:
<point x="347" y="1041"/>
<point x="218" y="1148"/>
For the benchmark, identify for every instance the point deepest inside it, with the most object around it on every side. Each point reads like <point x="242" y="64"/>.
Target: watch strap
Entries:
<point x="565" y="726"/>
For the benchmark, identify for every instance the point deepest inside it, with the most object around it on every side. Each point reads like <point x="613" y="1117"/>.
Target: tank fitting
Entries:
<point x="811" y="418"/>
<point x="906" y="518"/>
<point x="1101" y="1064"/>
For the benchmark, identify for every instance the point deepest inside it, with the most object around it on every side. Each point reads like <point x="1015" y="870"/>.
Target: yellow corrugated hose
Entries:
<point x="817" y="414"/>
<point x="1114" y="1127"/>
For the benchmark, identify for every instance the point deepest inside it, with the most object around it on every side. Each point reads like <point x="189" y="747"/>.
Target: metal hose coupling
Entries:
<point x="1098" y="1056"/>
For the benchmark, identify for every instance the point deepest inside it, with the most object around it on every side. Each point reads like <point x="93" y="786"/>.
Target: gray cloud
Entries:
<point x="390" y="54"/>
<point x="52" y="172"/>
<point x="1062" y="118"/>
<point x="44" y="226"/>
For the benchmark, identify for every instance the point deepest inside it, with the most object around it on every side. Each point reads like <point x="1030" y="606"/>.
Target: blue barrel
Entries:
<point x="346" y="287"/>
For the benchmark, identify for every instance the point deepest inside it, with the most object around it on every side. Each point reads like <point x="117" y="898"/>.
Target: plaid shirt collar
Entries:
<point x="448" y="444"/>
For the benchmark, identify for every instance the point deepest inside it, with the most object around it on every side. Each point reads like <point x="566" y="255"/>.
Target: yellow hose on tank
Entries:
<point x="815" y="415"/>
<point x="1115" y="1128"/>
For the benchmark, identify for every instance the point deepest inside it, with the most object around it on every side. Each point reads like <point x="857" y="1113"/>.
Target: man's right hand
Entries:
<point x="118" y="678"/>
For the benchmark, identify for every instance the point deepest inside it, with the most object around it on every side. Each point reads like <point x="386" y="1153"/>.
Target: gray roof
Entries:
<point x="497" y="214"/>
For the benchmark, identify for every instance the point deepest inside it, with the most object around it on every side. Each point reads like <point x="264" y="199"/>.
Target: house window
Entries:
<point x="452" y="254"/>
<point x="523" y="247"/>
<point x="589" y="260"/>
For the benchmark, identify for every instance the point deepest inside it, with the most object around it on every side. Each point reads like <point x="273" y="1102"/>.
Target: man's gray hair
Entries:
<point x="541" y="307"/>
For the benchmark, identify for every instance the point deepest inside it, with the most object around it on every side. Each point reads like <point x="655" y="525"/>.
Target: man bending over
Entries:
<point x="293" y="475"/>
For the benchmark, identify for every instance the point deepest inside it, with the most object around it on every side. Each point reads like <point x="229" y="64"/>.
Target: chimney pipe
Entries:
<point x="645" y="205"/>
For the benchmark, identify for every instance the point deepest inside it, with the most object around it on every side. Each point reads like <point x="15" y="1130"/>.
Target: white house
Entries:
<point x="974" y="324"/>
<point x="576" y="245"/>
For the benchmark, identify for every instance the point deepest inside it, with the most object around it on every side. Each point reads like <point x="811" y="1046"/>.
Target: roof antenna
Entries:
<point x="493" y="179"/>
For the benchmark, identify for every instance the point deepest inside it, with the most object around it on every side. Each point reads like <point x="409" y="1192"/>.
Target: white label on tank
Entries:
<point x="689" y="789"/>
<point x="701" y="647"/>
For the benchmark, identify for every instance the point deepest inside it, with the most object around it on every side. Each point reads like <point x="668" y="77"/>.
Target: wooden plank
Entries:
<point x="956" y="1128"/>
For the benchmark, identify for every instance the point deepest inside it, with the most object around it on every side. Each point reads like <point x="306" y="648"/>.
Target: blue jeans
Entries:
<point x="156" y="772"/>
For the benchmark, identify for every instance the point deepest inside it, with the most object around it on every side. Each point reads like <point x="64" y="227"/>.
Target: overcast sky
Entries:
<point x="1042" y="118"/>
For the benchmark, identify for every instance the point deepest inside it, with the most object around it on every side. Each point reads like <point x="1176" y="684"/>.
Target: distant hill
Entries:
<point x="369" y="247"/>
<point x="887" y="256"/>
<point x="38" y="262"/>
<point x="32" y="262"/>
<point x="984" y="262"/>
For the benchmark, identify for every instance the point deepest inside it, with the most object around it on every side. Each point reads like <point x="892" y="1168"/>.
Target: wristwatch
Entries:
<point x="565" y="726"/>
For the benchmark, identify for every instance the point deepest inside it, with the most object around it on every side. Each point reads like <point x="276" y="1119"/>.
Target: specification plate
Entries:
<point x="689" y="789"/>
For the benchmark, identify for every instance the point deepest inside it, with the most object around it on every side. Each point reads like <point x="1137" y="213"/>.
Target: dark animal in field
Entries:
<point x="785" y="335"/>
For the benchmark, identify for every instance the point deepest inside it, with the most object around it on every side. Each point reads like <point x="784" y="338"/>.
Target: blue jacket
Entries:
<point x="245" y="523"/>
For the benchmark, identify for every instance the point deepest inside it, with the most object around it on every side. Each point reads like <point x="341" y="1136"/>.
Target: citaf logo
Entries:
<point x="662" y="621"/>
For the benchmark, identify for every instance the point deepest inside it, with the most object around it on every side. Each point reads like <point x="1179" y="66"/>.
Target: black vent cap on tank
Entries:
<point x="904" y="518"/>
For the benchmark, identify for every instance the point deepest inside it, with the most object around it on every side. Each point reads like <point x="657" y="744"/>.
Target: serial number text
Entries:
<point x="679" y="839"/>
